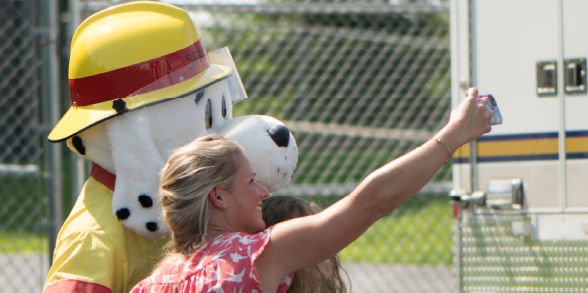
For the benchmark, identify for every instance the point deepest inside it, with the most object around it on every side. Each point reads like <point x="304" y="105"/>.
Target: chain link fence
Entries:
<point x="358" y="84"/>
<point x="24" y="172"/>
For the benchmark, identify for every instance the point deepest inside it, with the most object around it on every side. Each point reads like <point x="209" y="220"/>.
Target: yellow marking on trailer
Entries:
<point x="518" y="148"/>
<point x="526" y="147"/>
<point x="576" y="144"/>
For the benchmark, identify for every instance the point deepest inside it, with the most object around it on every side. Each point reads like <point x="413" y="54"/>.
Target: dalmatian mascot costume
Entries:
<point x="142" y="84"/>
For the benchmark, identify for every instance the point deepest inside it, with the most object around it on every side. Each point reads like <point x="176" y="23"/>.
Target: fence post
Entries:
<point x="52" y="95"/>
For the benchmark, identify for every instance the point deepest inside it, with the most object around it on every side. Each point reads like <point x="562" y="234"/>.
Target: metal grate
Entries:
<point x="494" y="259"/>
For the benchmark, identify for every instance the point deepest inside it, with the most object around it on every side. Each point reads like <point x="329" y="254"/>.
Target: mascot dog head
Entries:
<point x="141" y="85"/>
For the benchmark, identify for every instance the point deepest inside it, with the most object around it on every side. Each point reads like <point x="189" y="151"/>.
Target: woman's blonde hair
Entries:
<point x="312" y="279"/>
<point x="190" y="173"/>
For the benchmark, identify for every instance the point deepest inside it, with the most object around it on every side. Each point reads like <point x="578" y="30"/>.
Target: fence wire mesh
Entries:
<point x="358" y="84"/>
<point x="23" y="240"/>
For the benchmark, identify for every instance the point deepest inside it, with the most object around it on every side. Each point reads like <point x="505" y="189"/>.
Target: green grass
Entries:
<point x="417" y="233"/>
<point x="13" y="242"/>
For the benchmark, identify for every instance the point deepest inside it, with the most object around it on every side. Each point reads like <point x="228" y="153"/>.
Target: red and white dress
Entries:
<point x="224" y="264"/>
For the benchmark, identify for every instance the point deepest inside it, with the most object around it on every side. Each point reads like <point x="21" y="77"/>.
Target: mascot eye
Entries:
<point x="199" y="97"/>
<point x="224" y="107"/>
<point x="208" y="114"/>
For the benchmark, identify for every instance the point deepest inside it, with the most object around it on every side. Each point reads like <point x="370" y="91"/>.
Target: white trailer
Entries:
<point x="521" y="192"/>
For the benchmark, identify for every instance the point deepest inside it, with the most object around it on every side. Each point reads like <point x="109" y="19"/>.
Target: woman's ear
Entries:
<point x="216" y="198"/>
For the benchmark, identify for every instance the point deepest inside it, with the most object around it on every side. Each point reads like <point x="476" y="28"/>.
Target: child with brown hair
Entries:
<point x="324" y="277"/>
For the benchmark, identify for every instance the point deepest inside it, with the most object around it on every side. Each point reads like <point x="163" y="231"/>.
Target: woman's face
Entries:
<point x="245" y="199"/>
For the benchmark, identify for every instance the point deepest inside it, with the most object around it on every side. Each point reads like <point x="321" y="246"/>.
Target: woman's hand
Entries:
<point x="467" y="121"/>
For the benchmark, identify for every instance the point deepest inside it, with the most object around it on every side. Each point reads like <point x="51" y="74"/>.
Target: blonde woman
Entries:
<point x="213" y="205"/>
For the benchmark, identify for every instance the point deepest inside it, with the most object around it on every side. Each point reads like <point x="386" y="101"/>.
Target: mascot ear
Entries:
<point x="137" y="163"/>
<point x="273" y="154"/>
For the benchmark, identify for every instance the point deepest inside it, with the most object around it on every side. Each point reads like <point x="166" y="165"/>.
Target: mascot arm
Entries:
<point x="88" y="249"/>
<point x="85" y="262"/>
<point x="137" y="162"/>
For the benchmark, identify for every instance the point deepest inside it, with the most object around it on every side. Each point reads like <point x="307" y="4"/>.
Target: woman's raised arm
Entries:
<point x="304" y="241"/>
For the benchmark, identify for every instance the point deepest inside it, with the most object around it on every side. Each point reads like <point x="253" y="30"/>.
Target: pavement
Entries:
<point x="23" y="272"/>
<point x="375" y="278"/>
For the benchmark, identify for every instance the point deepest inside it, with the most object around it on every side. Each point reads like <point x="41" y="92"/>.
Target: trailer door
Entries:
<point x="510" y="42"/>
<point x="575" y="52"/>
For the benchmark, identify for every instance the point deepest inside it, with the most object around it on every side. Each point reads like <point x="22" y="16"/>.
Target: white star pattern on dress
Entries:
<point x="252" y="276"/>
<point x="236" y="257"/>
<point x="176" y="263"/>
<point x="237" y="278"/>
<point x="225" y="240"/>
<point x="217" y="288"/>
<point x="220" y="254"/>
<point x="217" y="276"/>
<point x="247" y="240"/>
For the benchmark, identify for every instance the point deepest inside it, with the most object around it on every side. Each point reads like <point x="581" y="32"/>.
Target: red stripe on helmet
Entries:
<point x="140" y="78"/>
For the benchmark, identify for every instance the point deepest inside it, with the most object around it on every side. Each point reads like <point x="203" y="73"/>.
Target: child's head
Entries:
<point x="280" y="208"/>
<point x="325" y="276"/>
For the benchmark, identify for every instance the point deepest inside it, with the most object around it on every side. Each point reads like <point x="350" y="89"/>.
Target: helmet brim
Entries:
<point x="80" y="118"/>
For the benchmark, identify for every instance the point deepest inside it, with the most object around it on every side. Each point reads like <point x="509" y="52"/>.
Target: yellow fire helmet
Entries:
<point x="133" y="55"/>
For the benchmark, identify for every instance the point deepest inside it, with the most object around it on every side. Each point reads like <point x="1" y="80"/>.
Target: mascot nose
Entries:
<point x="280" y="134"/>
